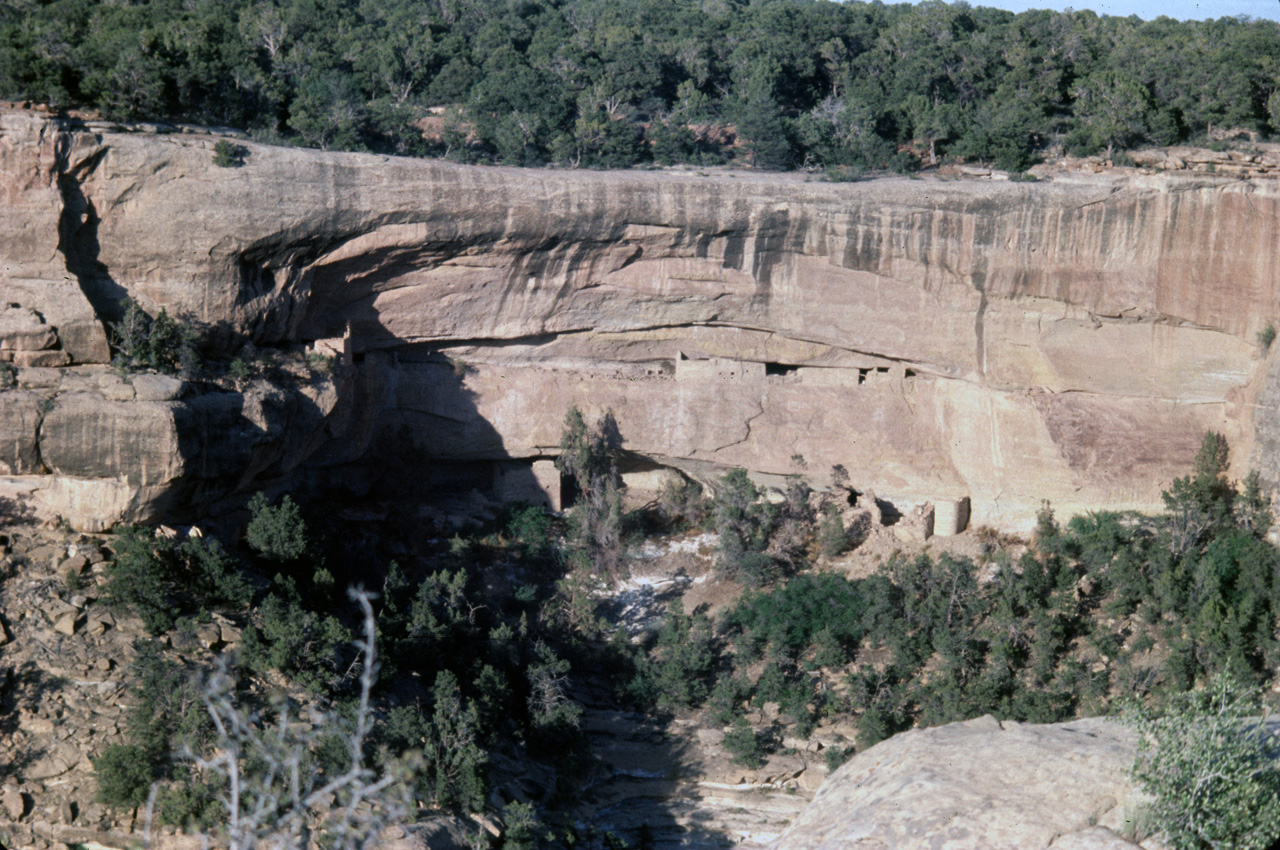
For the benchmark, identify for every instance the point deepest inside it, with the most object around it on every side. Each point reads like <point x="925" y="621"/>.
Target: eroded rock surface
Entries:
<point x="95" y="448"/>
<point x="1068" y="340"/>
<point x="980" y="784"/>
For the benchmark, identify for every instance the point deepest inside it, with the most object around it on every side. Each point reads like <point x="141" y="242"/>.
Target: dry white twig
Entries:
<point x="274" y="799"/>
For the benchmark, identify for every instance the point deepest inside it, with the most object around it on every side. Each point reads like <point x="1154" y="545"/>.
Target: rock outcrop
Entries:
<point x="984" y="785"/>
<point x="94" y="448"/>
<point x="1069" y="339"/>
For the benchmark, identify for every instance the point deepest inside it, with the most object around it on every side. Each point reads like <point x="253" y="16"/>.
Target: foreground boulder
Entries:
<point x="981" y="784"/>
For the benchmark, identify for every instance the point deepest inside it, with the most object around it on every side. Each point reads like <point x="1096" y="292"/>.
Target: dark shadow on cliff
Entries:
<point x="415" y="438"/>
<point x="422" y="461"/>
<point x="78" y="235"/>
<point x="403" y="463"/>
<point x="234" y="442"/>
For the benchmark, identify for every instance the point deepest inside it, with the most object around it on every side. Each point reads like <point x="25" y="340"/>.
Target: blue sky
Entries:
<point x="1180" y="9"/>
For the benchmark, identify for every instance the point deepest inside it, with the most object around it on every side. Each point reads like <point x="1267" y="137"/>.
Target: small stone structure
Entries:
<point x="337" y="348"/>
<point x="718" y="369"/>
<point x="817" y="376"/>
<point x="950" y="516"/>
<point x="916" y="526"/>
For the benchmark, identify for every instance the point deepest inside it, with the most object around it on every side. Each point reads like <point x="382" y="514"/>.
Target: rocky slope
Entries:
<point x="1007" y="342"/>
<point x="66" y="690"/>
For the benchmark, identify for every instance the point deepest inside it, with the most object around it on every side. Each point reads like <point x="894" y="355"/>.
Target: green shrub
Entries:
<point x="836" y="756"/>
<point x="287" y="637"/>
<point x="743" y="744"/>
<point x="124" y="773"/>
<point x="278" y="534"/>
<point x="191" y="806"/>
<point x="1211" y="766"/>
<point x="554" y="716"/>
<point x="788" y="620"/>
<point x="904" y="162"/>
<point x="166" y="714"/>
<point x="523" y="828"/>
<point x="139" y="578"/>
<point x="832" y="536"/>
<point x="8" y="376"/>
<point x="239" y="370"/>
<point x="681" y="502"/>
<point x="530" y="528"/>
<point x="440" y="612"/>
<point x="727" y="696"/>
<point x="214" y="577"/>
<point x="228" y="154"/>
<point x="744" y="523"/>
<point x="321" y="362"/>
<point x="162" y="343"/>
<point x="844" y="173"/>
<point x="454" y="775"/>
<point x="874" y="726"/>
<point x="161" y="583"/>
<point x="587" y="456"/>
<point x="1266" y="336"/>
<point x="684" y="658"/>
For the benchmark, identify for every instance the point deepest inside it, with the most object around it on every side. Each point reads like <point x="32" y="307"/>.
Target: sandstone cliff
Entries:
<point x="1068" y="340"/>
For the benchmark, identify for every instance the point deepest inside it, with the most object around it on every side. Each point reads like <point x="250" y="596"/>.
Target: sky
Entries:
<point x="1146" y="9"/>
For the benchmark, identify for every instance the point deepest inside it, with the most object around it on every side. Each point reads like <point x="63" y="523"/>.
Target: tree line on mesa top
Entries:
<point x="845" y="87"/>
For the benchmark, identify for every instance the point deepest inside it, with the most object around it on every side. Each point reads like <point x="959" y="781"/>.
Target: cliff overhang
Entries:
<point x="1066" y="340"/>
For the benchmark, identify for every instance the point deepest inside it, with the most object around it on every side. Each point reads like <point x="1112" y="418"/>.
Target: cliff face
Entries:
<point x="1066" y="340"/>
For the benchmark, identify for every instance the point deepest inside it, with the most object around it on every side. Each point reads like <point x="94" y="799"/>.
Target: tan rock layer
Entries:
<point x="1012" y="341"/>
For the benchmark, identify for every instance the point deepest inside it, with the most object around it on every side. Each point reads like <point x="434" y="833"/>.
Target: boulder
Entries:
<point x="39" y="378"/>
<point x="23" y="329"/>
<point x="209" y="635"/>
<point x="980" y="784"/>
<point x="14" y="802"/>
<point x="76" y="563"/>
<point x="114" y="387"/>
<point x="66" y="623"/>
<point x="41" y="359"/>
<point x="149" y="387"/>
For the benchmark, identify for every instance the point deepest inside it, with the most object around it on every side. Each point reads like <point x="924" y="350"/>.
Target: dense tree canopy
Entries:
<point x="607" y="84"/>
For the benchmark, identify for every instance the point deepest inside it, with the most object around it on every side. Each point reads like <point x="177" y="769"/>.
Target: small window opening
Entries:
<point x="779" y="369"/>
<point x="889" y="513"/>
